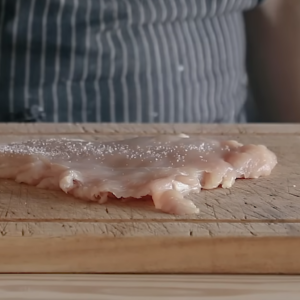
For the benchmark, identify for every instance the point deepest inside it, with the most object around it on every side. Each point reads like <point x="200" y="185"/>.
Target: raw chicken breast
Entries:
<point x="166" y="168"/>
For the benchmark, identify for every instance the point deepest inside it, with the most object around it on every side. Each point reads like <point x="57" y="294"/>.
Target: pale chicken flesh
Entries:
<point x="166" y="167"/>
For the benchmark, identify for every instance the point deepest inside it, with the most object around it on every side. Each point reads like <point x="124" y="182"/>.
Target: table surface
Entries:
<point x="143" y="287"/>
<point x="40" y="229"/>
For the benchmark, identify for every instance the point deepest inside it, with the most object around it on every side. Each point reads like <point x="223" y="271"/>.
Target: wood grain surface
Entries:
<point x="147" y="287"/>
<point x="266" y="208"/>
<point x="151" y="255"/>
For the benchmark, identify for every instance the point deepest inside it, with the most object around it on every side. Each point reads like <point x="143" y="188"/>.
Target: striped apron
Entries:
<point x="124" y="61"/>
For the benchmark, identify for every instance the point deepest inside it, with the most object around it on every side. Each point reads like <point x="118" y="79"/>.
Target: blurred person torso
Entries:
<point x="125" y="60"/>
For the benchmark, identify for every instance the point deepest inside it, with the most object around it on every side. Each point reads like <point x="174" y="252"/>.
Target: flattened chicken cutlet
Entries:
<point x="167" y="168"/>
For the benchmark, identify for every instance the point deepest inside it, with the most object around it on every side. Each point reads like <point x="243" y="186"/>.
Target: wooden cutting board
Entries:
<point x="253" y="227"/>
